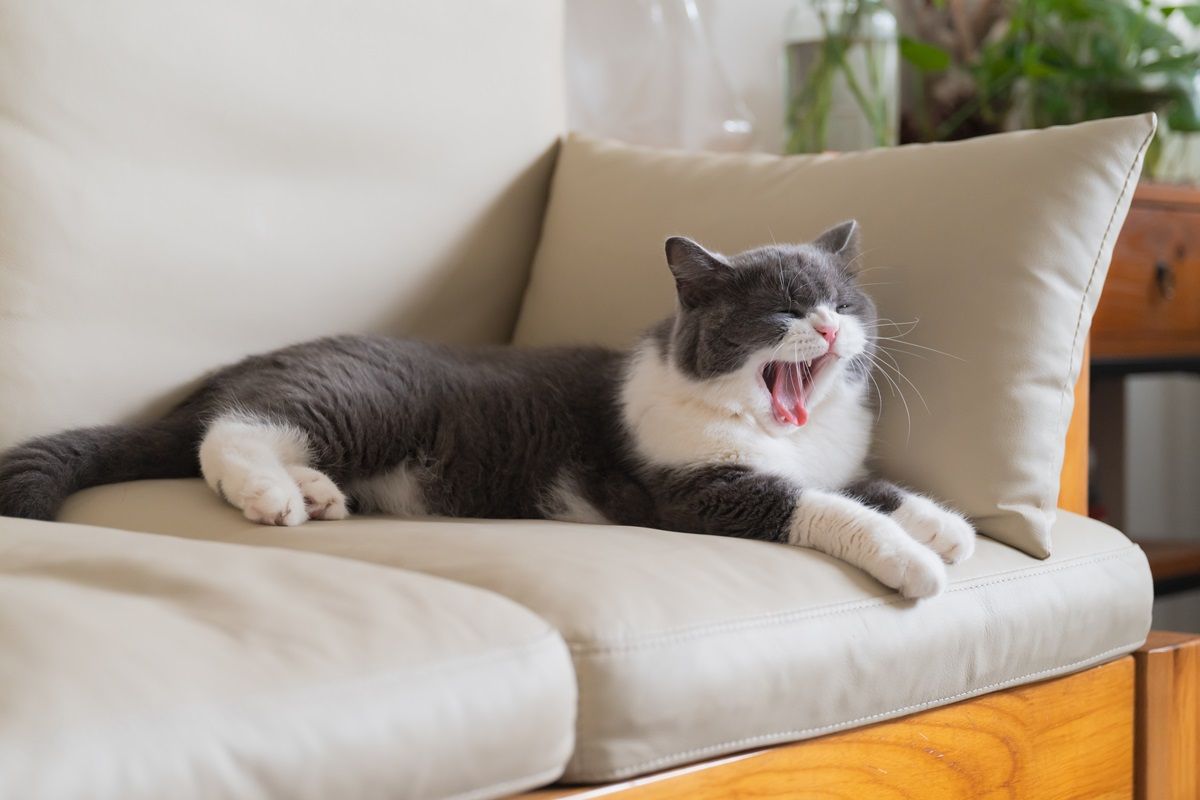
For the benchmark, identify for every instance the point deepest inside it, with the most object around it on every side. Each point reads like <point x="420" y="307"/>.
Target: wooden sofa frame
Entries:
<point x="1127" y="728"/>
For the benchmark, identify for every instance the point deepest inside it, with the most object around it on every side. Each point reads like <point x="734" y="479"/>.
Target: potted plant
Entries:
<point x="842" y="76"/>
<point x="1033" y="63"/>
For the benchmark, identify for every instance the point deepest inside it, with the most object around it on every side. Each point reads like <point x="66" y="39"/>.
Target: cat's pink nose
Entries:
<point x="829" y="332"/>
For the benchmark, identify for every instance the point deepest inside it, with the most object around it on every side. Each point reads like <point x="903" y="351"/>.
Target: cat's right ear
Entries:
<point x="843" y="240"/>
<point x="696" y="270"/>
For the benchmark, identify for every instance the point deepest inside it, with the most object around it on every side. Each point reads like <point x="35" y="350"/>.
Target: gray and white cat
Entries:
<point x="744" y="414"/>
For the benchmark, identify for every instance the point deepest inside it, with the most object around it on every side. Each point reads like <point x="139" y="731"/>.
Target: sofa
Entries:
<point x="184" y="184"/>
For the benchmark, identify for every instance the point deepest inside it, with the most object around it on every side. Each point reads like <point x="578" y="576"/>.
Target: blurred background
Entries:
<point x="804" y="76"/>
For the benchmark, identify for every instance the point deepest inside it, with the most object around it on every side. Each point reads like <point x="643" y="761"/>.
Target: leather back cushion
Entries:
<point x="183" y="183"/>
<point x="998" y="246"/>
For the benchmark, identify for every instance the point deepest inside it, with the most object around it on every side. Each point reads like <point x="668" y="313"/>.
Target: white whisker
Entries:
<point x="895" y="340"/>
<point x="863" y="254"/>
<point x="862" y="272"/>
<point x="878" y="395"/>
<point x="885" y="323"/>
<point x="901" y="352"/>
<point x="903" y="377"/>
<point x="898" y="392"/>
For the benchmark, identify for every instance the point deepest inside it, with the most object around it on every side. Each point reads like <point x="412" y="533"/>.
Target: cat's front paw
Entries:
<point x="914" y="571"/>
<point x="943" y="531"/>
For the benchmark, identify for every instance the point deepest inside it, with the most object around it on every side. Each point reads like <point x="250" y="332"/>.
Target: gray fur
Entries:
<point x="730" y="307"/>
<point x="723" y="500"/>
<point x="489" y="430"/>
<point x="36" y="477"/>
<point x="881" y="495"/>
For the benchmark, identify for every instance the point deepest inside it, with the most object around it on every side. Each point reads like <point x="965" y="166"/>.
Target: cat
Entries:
<point x="746" y="413"/>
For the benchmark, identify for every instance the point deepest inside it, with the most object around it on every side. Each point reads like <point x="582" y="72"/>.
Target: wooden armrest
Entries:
<point x="1167" y="741"/>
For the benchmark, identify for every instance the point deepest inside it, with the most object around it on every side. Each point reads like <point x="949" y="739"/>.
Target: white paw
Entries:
<point x="272" y="501"/>
<point x="915" y="572"/>
<point x="846" y="529"/>
<point x="943" y="531"/>
<point x="322" y="498"/>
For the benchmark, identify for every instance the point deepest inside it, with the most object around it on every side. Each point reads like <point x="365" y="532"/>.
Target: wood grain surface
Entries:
<point x="1150" y="306"/>
<point x="1068" y="738"/>
<point x="1168" y="717"/>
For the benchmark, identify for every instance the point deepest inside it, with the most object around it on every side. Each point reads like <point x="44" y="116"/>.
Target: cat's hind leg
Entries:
<point x="322" y="498"/>
<point x="263" y="468"/>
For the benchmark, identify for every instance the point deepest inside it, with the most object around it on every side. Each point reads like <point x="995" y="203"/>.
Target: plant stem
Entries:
<point x="810" y="108"/>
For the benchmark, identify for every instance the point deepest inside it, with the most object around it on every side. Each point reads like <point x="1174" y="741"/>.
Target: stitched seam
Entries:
<point x="808" y="732"/>
<point x="686" y="634"/>
<point x="583" y="651"/>
<point x="1087" y="290"/>
<point x="506" y="787"/>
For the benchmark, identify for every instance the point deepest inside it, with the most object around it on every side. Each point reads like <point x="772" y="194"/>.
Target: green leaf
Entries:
<point x="1183" y="118"/>
<point x="1070" y="60"/>
<point x="924" y="56"/>
<point x="1188" y="62"/>
<point x="1184" y="111"/>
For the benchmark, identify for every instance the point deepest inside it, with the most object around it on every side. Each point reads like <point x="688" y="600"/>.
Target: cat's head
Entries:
<point x="773" y="331"/>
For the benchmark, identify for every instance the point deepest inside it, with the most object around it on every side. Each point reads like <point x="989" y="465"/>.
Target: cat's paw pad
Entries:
<point x="943" y="531"/>
<point x="269" y="501"/>
<point x="322" y="498"/>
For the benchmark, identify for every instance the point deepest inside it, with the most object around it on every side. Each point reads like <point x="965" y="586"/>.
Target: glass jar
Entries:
<point x="843" y="76"/>
<point x="646" y="71"/>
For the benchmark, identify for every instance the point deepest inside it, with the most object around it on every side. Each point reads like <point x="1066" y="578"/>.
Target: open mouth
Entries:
<point x="790" y="383"/>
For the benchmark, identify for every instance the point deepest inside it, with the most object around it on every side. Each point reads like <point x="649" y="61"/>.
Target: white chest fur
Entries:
<point x="678" y="421"/>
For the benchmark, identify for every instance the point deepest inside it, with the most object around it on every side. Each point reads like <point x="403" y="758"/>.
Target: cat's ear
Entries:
<point x="696" y="270"/>
<point x="842" y="240"/>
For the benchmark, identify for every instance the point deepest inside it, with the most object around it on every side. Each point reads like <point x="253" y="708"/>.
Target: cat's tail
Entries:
<point x="37" y="476"/>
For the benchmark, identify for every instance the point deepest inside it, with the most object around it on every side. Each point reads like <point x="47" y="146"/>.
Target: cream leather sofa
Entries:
<point x="184" y="183"/>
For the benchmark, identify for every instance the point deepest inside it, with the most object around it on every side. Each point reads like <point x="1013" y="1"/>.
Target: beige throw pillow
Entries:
<point x="996" y="247"/>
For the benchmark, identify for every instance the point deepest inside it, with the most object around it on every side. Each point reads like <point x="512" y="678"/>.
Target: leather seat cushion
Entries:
<point x="686" y="647"/>
<point x="138" y="667"/>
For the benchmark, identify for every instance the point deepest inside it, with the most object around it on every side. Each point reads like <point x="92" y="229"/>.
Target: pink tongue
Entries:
<point x="787" y="395"/>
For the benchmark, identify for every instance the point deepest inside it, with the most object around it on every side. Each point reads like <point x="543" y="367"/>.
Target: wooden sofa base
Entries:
<point x="1069" y="737"/>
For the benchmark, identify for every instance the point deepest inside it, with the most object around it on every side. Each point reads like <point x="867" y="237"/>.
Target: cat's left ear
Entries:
<point x="842" y="240"/>
<point x="696" y="270"/>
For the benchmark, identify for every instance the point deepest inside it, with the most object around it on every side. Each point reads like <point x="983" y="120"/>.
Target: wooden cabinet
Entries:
<point x="1150" y="308"/>
<point x="1148" y="320"/>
